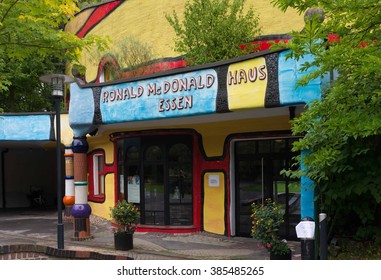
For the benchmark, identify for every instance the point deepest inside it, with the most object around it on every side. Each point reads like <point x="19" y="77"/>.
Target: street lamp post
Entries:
<point x="57" y="82"/>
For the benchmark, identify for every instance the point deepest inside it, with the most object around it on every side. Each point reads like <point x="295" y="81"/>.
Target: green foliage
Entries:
<point x="213" y="30"/>
<point x="131" y="54"/>
<point x="86" y="3"/>
<point x="342" y="131"/>
<point x="26" y="93"/>
<point x="125" y="214"/>
<point x="349" y="249"/>
<point x="267" y="219"/>
<point x="32" y="30"/>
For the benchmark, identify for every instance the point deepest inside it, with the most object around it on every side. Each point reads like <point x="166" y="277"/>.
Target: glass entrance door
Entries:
<point x="154" y="187"/>
<point x="257" y="176"/>
<point x="250" y="185"/>
<point x="156" y="173"/>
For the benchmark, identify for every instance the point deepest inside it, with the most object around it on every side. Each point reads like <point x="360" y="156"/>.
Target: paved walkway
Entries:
<point x="33" y="235"/>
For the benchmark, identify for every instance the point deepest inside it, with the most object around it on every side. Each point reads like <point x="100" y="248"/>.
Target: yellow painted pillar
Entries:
<point x="214" y="202"/>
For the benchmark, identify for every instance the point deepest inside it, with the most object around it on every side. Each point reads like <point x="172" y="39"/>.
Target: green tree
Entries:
<point x="25" y="92"/>
<point x="342" y="131"/>
<point x="131" y="55"/>
<point x="213" y="30"/>
<point x="32" y="30"/>
<point x="134" y="55"/>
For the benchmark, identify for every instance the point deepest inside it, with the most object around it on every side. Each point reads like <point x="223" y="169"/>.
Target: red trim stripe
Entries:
<point x="97" y="16"/>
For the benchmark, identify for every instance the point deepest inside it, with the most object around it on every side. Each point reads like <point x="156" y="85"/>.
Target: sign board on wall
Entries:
<point x="258" y="81"/>
<point x="171" y="96"/>
<point x="246" y="84"/>
<point x="214" y="180"/>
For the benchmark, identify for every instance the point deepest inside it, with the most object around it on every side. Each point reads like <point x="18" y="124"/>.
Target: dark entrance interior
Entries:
<point x="258" y="164"/>
<point x="155" y="173"/>
<point x="28" y="175"/>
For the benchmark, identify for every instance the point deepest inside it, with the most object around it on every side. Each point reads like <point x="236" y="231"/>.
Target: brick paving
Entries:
<point x="42" y="252"/>
<point x="32" y="235"/>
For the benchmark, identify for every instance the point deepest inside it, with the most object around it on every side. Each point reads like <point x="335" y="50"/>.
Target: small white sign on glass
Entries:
<point x="133" y="189"/>
<point x="214" y="180"/>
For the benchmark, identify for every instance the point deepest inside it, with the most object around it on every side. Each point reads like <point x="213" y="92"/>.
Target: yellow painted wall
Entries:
<point x="145" y="20"/>
<point x="215" y="134"/>
<point x="104" y="143"/>
<point x="66" y="131"/>
<point x="214" y="202"/>
<point x="213" y="139"/>
<point x="103" y="209"/>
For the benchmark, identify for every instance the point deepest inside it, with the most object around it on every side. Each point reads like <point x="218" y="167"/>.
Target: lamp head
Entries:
<point x="57" y="82"/>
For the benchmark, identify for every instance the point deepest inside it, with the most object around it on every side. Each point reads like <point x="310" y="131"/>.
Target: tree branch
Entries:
<point x="7" y="11"/>
<point x="32" y="45"/>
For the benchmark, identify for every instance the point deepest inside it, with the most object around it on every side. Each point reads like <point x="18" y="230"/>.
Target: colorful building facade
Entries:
<point x="192" y="147"/>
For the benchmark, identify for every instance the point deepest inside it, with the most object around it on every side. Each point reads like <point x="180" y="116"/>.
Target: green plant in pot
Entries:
<point x="125" y="215"/>
<point x="266" y="221"/>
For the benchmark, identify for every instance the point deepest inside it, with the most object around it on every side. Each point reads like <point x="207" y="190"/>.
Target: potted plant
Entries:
<point x="125" y="216"/>
<point x="266" y="221"/>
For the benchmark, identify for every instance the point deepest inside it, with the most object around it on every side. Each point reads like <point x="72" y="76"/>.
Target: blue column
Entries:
<point x="307" y="193"/>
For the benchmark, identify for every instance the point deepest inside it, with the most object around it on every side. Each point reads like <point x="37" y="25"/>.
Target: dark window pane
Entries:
<point x="154" y="194"/>
<point x="132" y="153"/>
<point x="280" y="146"/>
<point x="245" y="148"/>
<point x="180" y="152"/>
<point x="153" y="153"/>
<point x="264" y="146"/>
<point x="181" y="214"/>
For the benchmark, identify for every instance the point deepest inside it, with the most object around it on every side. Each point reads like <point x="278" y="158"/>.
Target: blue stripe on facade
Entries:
<point x="81" y="110"/>
<point x="25" y="128"/>
<point x="290" y="74"/>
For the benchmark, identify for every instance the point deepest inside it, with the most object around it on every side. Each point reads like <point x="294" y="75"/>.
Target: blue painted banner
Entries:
<point x="25" y="127"/>
<point x="187" y="94"/>
<point x="81" y="109"/>
<point x="259" y="81"/>
<point x="290" y="74"/>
